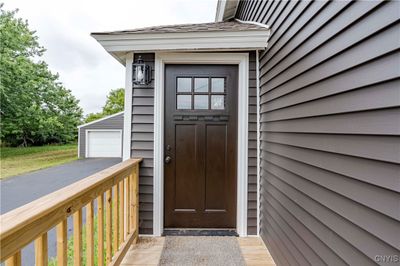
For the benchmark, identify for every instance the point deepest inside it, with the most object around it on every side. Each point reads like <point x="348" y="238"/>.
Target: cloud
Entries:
<point x="64" y="28"/>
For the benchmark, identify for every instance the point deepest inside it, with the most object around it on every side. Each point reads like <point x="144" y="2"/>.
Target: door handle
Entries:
<point x="167" y="159"/>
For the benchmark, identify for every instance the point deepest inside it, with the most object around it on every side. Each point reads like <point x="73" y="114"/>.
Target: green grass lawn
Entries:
<point x="15" y="161"/>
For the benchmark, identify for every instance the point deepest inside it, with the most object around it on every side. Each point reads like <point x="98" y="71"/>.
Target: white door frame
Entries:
<point x="240" y="59"/>
<point x="102" y="130"/>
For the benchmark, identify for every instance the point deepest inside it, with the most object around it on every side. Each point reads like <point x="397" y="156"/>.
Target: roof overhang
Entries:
<point x="101" y="119"/>
<point x="118" y="44"/>
<point x="226" y="9"/>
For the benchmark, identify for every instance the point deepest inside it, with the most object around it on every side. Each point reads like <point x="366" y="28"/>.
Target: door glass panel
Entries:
<point x="184" y="85"/>
<point x="217" y="85"/>
<point x="201" y="85"/>
<point x="201" y="102"/>
<point x="184" y="102"/>
<point x="217" y="102"/>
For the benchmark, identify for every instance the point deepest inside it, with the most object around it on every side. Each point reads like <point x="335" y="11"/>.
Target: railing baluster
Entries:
<point x="89" y="235"/>
<point x="62" y="241"/>
<point x="131" y="202"/>
<point x="121" y="213"/>
<point x="108" y="227"/>
<point x="115" y="218"/>
<point x="127" y="207"/>
<point x="100" y="229"/>
<point x="136" y="201"/>
<point x="78" y="238"/>
<point x="14" y="260"/>
<point x="41" y="256"/>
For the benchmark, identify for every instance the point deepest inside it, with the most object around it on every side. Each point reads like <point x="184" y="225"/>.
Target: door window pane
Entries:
<point x="184" y="102"/>
<point x="217" y="102"/>
<point x="184" y="85"/>
<point x="201" y="102"/>
<point x="201" y="85"/>
<point x="217" y="85"/>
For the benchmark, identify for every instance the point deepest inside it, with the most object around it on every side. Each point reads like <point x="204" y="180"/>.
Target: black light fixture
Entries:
<point x="141" y="74"/>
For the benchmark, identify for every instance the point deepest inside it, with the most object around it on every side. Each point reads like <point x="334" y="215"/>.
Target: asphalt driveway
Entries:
<point x="19" y="190"/>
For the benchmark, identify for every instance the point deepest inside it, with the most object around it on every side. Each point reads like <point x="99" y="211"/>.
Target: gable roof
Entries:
<point x="101" y="119"/>
<point x="214" y="36"/>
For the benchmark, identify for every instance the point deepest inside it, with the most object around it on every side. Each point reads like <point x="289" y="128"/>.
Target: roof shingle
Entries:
<point x="182" y="28"/>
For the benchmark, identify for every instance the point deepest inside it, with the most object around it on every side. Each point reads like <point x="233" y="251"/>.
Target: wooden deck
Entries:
<point x="148" y="251"/>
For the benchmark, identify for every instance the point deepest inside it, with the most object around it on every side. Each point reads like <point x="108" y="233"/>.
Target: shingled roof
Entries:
<point x="184" y="28"/>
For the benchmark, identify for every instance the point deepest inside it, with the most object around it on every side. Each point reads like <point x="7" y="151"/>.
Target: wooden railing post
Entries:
<point x="121" y="213"/>
<point x="100" y="230"/>
<point x="108" y="227"/>
<point x="78" y="238"/>
<point x="89" y="235"/>
<point x="62" y="241"/>
<point x="41" y="256"/>
<point x="14" y="260"/>
<point x="126" y="207"/>
<point x="115" y="218"/>
<point x="136" y="201"/>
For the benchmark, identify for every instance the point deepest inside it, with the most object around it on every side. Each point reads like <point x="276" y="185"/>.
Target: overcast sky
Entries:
<point x="64" y="28"/>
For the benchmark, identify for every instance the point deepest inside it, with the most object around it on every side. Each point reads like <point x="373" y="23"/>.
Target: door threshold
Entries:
<point x="199" y="232"/>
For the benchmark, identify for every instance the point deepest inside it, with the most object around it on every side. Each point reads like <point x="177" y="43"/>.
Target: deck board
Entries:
<point x="148" y="252"/>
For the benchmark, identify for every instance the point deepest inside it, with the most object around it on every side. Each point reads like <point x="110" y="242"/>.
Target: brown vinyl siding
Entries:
<point x="142" y="145"/>
<point x="116" y="122"/>
<point x="330" y="146"/>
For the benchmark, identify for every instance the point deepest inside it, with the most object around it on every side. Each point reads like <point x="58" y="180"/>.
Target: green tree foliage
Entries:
<point x="114" y="104"/>
<point x="93" y="116"/>
<point x="35" y="107"/>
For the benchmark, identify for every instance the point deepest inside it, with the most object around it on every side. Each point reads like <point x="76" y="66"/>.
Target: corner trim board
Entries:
<point x="258" y="141"/>
<point x="240" y="59"/>
<point x="126" y="147"/>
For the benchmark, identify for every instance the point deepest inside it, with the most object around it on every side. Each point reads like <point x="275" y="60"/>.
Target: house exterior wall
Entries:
<point x="143" y="143"/>
<point x="330" y="146"/>
<point x="252" y="149"/>
<point x="115" y="122"/>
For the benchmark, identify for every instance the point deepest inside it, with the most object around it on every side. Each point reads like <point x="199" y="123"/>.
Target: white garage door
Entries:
<point x="104" y="144"/>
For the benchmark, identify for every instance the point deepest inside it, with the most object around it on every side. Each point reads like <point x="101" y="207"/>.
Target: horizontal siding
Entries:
<point x="142" y="145"/>
<point x="252" y="149"/>
<point x="116" y="122"/>
<point x="330" y="116"/>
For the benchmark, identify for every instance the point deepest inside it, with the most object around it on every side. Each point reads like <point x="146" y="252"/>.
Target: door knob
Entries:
<point x="167" y="159"/>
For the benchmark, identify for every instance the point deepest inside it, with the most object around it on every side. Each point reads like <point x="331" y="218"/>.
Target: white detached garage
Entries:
<point x="101" y="138"/>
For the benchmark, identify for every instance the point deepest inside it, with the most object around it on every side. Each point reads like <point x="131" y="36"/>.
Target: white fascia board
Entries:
<point x="246" y="40"/>
<point x="226" y="9"/>
<point x="101" y="119"/>
<point x="219" y="14"/>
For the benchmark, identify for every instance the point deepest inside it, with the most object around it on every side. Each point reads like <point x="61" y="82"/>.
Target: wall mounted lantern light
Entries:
<point x="141" y="72"/>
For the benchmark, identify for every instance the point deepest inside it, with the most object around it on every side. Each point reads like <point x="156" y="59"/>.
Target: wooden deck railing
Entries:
<point x="116" y="191"/>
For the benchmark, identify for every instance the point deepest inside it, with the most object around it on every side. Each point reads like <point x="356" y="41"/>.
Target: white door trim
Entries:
<point x="102" y="130"/>
<point x="240" y="59"/>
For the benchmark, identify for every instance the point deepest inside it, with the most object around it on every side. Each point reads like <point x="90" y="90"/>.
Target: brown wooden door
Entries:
<point x="200" y="146"/>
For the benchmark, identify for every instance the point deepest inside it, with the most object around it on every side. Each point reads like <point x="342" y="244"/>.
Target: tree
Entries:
<point x="35" y="107"/>
<point x="114" y="104"/>
<point x="93" y="116"/>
